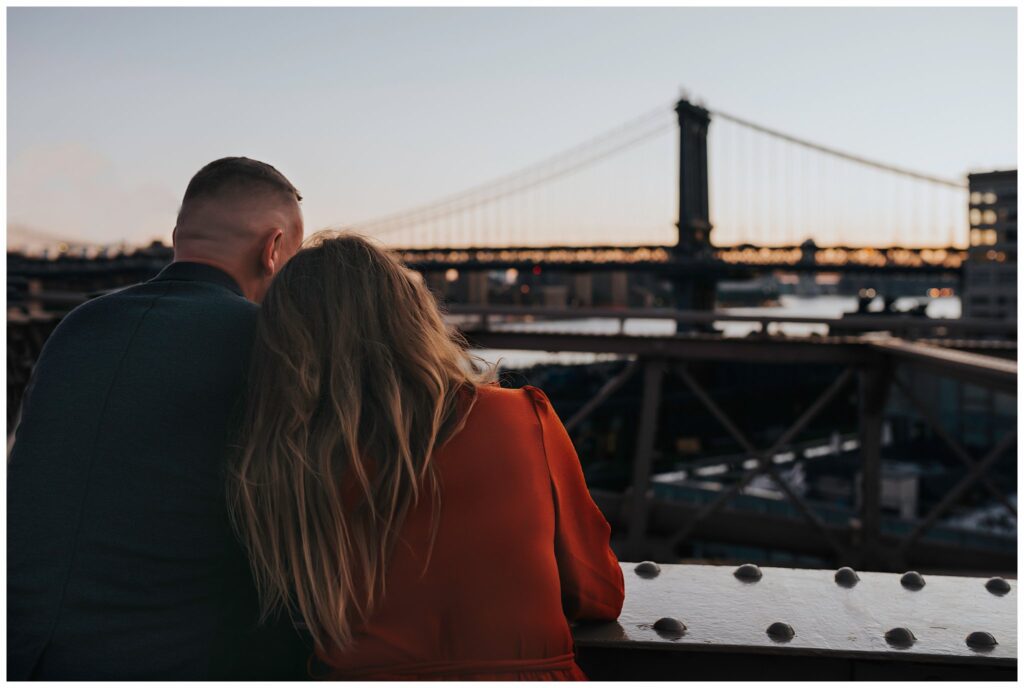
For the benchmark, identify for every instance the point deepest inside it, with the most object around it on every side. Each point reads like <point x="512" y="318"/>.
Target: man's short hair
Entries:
<point x="243" y="175"/>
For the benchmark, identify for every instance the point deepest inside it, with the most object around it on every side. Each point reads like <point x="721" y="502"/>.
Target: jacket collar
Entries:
<point x="198" y="272"/>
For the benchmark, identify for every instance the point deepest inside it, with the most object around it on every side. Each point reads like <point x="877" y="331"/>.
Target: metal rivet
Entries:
<point x="997" y="586"/>
<point x="900" y="637"/>
<point x="647" y="569"/>
<point x="781" y="631"/>
<point x="669" y="627"/>
<point x="912" y="580"/>
<point x="748" y="572"/>
<point x="847" y="577"/>
<point x="980" y="640"/>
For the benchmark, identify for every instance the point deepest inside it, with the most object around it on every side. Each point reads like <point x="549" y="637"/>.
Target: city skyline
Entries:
<point x="370" y="112"/>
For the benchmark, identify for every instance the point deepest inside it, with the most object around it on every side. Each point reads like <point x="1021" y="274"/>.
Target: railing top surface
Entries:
<point x="984" y="370"/>
<point x="944" y="357"/>
<point x="721" y="612"/>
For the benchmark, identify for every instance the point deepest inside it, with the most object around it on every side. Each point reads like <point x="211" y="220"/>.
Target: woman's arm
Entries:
<point x="591" y="579"/>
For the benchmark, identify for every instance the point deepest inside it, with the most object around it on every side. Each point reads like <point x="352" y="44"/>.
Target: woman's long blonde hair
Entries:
<point x="355" y="380"/>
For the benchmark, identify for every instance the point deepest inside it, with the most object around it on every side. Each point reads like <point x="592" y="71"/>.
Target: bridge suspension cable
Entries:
<point x="466" y="207"/>
<point x="767" y="188"/>
<point x="838" y="153"/>
<point x="770" y="188"/>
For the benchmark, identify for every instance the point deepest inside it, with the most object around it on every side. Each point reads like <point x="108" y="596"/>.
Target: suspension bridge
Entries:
<point x="688" y="195"/>
<point x="726" y="190"/>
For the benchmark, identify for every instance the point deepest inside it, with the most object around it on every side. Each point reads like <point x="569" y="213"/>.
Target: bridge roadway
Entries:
<point x="699" y="622"/>
<point x="717" y="261"/>
<point x="721" y="261"/>
<point x="682" y="267"/>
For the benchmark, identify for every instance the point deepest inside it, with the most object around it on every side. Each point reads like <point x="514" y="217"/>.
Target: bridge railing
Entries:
<point x="874" y="366"/>
<point x="694" y="622"/>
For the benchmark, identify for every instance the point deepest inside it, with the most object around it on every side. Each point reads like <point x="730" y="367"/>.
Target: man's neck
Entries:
<point x="223" y="266"/>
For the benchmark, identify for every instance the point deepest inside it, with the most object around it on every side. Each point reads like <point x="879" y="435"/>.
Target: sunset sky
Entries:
<point x="371" y="111"/>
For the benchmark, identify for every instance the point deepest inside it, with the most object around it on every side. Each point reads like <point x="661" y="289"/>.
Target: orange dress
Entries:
<point x="520" y="550"/>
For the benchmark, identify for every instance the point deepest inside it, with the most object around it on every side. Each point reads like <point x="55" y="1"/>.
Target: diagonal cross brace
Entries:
<point x="953" y="495"/>
<point x="763" y="458"/>
<point x="609" y="388"/>
<point x="929" y="415"/>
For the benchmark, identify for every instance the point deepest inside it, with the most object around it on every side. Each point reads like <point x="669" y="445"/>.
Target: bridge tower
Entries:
<point x="694" y="291"/>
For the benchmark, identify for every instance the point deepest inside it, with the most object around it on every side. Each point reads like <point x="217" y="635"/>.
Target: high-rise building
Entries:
<point x="990" y="274"/>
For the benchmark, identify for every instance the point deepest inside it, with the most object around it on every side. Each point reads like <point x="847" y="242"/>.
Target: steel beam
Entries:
<point x="874" y="388"/>
<point x="653" y="374"/>
<point x="715" y="627"/>
<point x="691" y="347"/>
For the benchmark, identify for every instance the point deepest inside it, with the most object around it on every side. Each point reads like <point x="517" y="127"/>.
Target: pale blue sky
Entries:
<point x="369" y="111"/>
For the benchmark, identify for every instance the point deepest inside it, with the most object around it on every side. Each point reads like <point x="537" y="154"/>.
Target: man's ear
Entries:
<point x="270" y="260"/>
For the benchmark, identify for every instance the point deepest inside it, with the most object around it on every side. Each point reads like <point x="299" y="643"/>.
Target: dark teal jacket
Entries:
<point x="121" y="562"/>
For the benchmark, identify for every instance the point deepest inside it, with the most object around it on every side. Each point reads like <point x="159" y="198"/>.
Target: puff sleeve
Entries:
<point x="589" y="572"/>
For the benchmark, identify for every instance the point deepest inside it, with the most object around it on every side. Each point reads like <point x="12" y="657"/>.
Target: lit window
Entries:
<point x="975" y="197"/>
<point x="989" y="216"/>
<point x="990" y="197"/>
<point x="451" y="274"/>
<point x="989" y="237"/>
<point x="975" y="216"/>
<point x="975" y="237"/>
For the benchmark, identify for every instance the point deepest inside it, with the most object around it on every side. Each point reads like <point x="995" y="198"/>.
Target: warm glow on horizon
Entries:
<point x="373" y="112"/>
